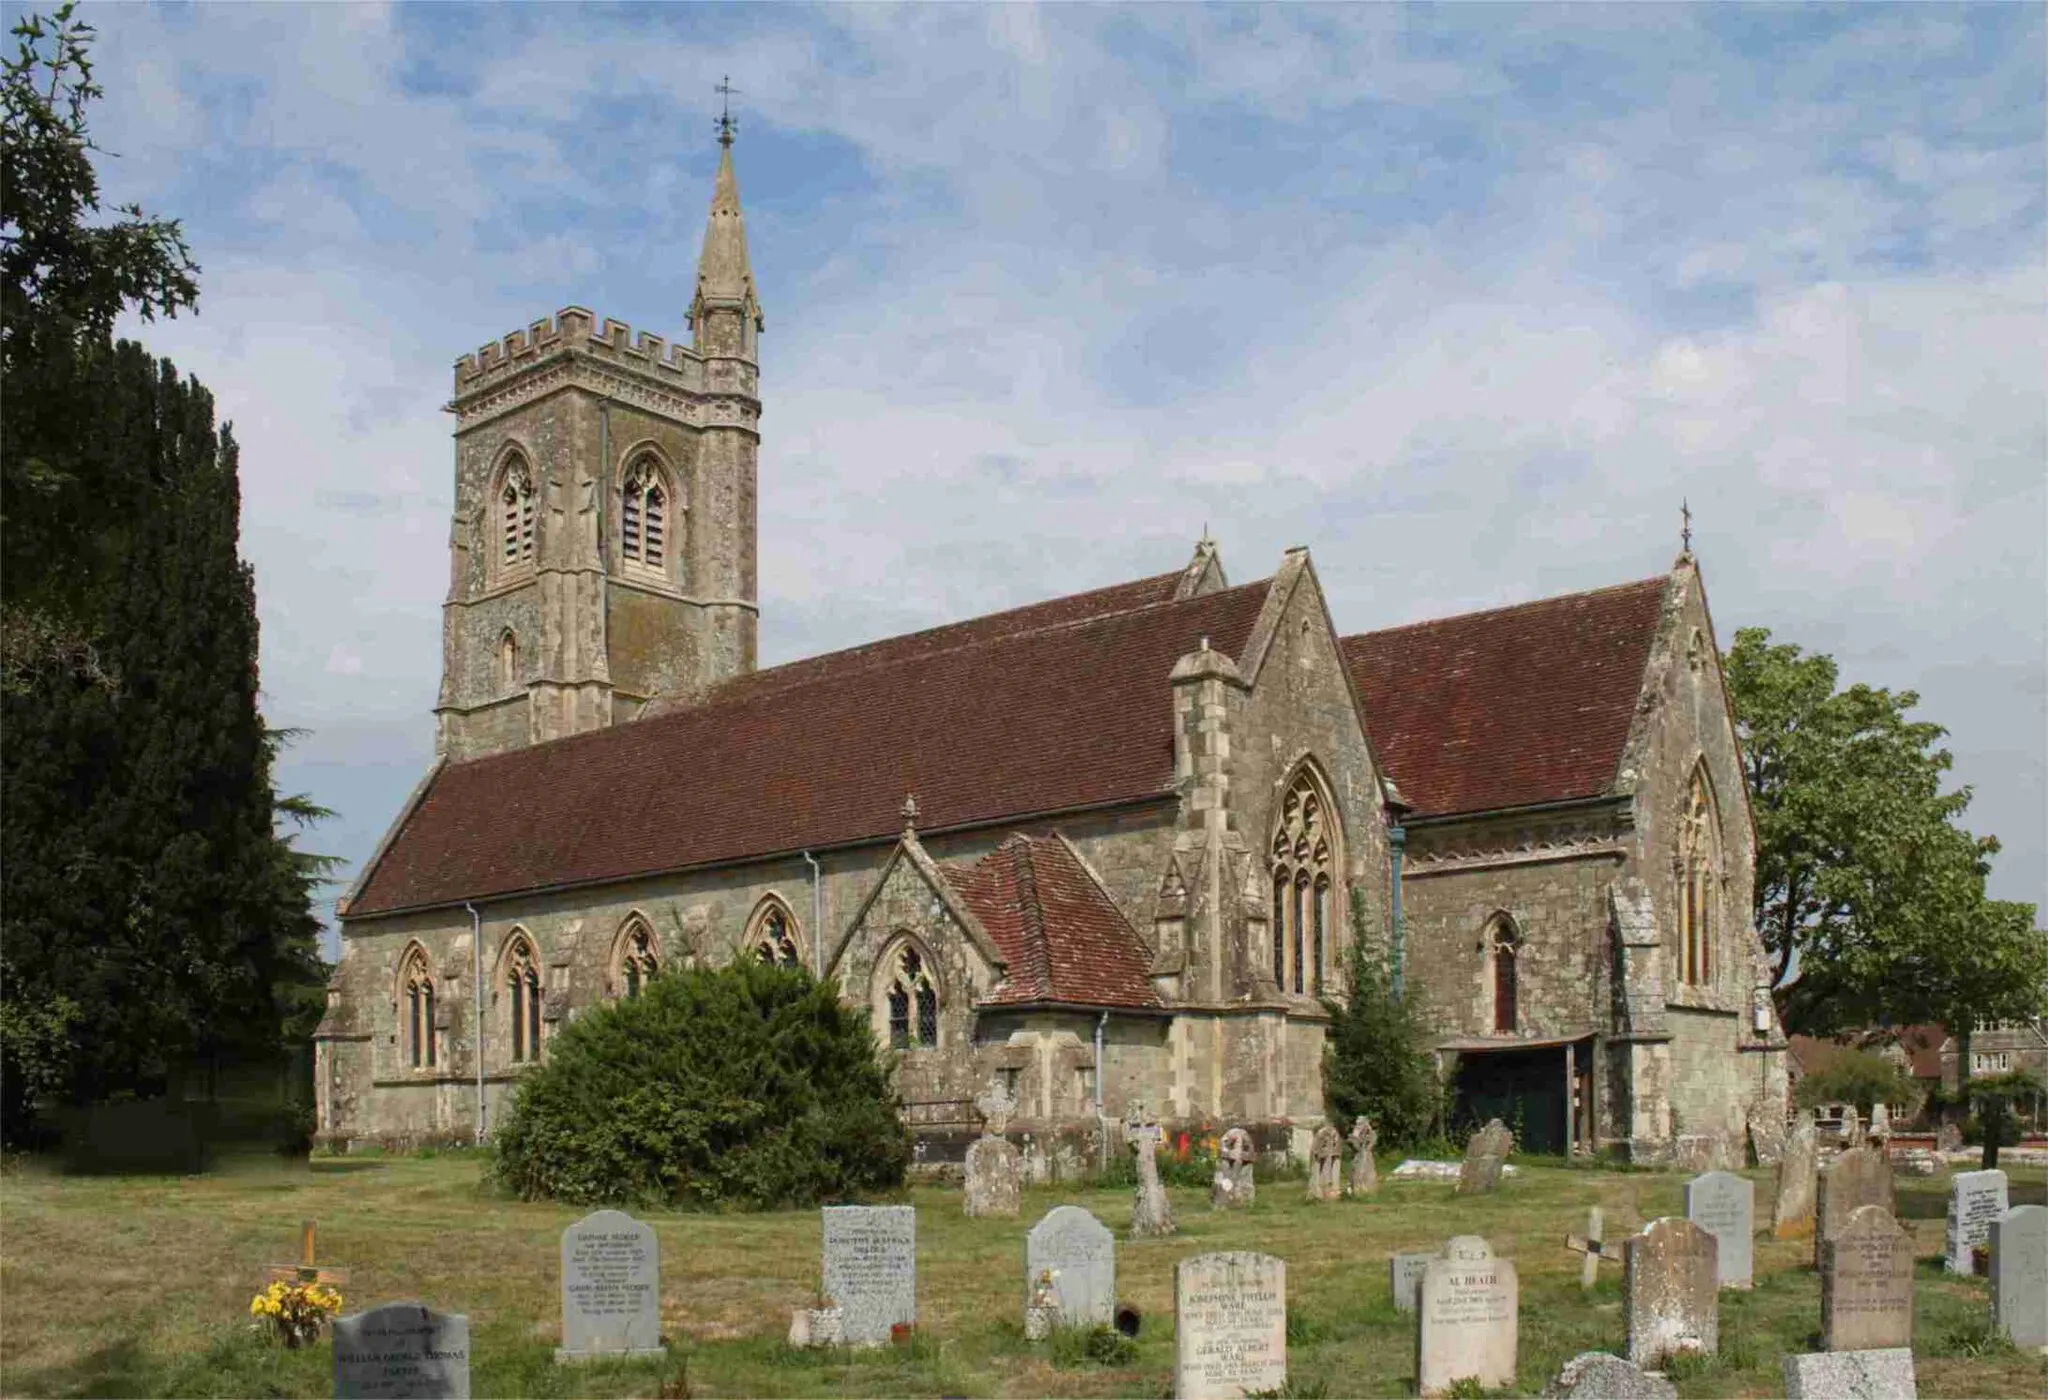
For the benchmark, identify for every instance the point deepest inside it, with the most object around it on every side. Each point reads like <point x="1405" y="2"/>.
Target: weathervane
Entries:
<point x="725" y="124"/>
<point x="1685" y="533"/>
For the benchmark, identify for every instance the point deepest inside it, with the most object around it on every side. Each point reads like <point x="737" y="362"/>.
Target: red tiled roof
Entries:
<point x="1061" y="937"/>
<point x="1031" y="712"/>
<point x="1922" y="1045"/>
<point x="1511" y="707"/>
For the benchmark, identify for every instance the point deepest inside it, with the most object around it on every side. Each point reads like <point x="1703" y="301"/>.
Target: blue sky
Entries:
<point x="1465" y="298"/>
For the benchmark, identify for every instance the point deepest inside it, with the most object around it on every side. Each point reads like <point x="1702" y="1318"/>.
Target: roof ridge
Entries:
<point x="1658" y="579"/>
<point x="1030" y="911"/>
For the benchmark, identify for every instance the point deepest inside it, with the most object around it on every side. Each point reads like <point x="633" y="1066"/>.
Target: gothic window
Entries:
<point x="522" y="995"/>
<point x="514" y="507"/>
<point x="416" y="992"/>
<point x="1698" y="877"/>
<point x="1304" y="865"/>
<point x="1503" y="948"/>
<point x="635" y="961"/>
<point x="649" y="518"/>
<point x="773" y="936"/>
<point x="508" y="661"/>
<point x="911" y="998"/>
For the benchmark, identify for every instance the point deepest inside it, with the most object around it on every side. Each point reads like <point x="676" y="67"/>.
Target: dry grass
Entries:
<point x="140" y="1286"/>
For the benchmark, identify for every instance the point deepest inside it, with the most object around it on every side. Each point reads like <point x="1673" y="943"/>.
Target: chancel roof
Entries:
<point x="1061" y="936"/>
<point x="1512" y="707"/>
<point x="1055" y="707"/>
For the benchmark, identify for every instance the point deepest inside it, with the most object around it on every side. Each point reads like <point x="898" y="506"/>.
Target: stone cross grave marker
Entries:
<point x="1852" y="1128"/>
<point x="1232" y="1186"/>
<point x="1075" y="1254"/>
<point x="1365" y="1173"/>
<point x="1595" y="1375"/>
<point x="306" y="1271"/>
<point x="1326" y="1165"/>
<point x="1230" y="1325"/>
<point x="1151" y="1213"/>
<point x="1671" y="1292"/>
<point x="995" y="1168"/>
<point x="1880" y="1125"/>
<point x="1859" y="1177"/>
<point x="1851" y="1375"/>
<point x="1792" y="1215"/>
<point x="401" y="1351"/>
<point x="1975" y="1199"/>
<point x="1724" y="1205"/>
<point x="1593" y="1247"/>
<point x="611" y="1288"/>
<point x="1466" y="1318"/>
<point x="1485" y="1154"/>
<point x="1866" y="1284"/>
<point x="1404" y="1277"/>
<point x="870" y="1269"/>
<point x="2019" y="1277"/>
<point x="996" y="1108"/>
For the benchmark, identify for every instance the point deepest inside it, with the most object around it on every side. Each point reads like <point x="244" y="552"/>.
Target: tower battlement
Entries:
<point x="576" y="328"/>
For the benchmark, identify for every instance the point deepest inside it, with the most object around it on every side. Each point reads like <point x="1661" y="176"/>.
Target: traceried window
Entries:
<point x="1503" y="951"/>
<point x="637" y="961"/>
<point x="416" y="992"/>
<point x="514" y="507"/>
<point x="1699" y="868"/>
<point x="774" y="941"/>
<point x="649" y="518"/>
<point x="522" y="993"/>
<point x="912" y="1000"/>
<point x="1303" y="866"/>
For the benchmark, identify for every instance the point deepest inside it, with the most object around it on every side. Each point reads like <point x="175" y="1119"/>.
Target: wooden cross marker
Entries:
<point x="306" y="1271"/>
<point x="1593" y="1249"/>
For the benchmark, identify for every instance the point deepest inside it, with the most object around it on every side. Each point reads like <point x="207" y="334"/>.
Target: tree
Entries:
<point x="1869" y="893"/>
<point x="1860" y="1077"/>
<point x="1377" y="1061"/>
<point x="1993" y="1097"/>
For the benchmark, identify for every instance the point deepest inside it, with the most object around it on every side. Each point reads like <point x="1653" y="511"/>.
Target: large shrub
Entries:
<point x="1860" y="1077"/>
<point x="745" y="1086"/>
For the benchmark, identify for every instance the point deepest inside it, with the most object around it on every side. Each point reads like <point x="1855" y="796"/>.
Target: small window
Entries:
<point x="636" y="959"/>
<point x="522" y="987"/>
<point x="774" y="943"/>
<point x="515" y="515"/>
<point x="1506" y="989"/>
<point x="913" y="1003"/>
<point x="417" y="993"/>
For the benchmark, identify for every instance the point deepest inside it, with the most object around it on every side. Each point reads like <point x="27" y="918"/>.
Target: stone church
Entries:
<point x="1105" y="849"/>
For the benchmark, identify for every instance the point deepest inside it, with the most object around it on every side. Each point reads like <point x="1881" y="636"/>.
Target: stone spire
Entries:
<point x="725" y="279"/>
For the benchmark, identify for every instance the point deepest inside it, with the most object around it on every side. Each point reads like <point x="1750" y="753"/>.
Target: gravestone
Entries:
<point x="1151" y="1215"/>
<point x="1671" y="1294"/>
<point x="1232" y="1188"/>
<point x="1595" y="1375"/>
<point x="1592" y="1247"/>
<point x="1485" y="1154"/>
<point x="995" y="1168"/>
<point x="1859" y="1177"/>
<point x="1365" y="1173"/>
<point x="1975" y="1200"/>
<point x="1850" y="1375"/>
<point x="611" y="1288"/>
<point x="1724" y="1205"/>
<point x="1326" y="1165"/>
<point x="1466" y="1318"/>
<point x="1792" y="1214"/>
<point x="1948" y="1137"/>
<point x="401" y="1351"/>
<point x="1078" y="1252"/>
<point x="1852" y="1128"/>
<point x="1767" y="1134"/>
<point x="870" y="1269"/>
<point x="1866" y="1284"/>
<point x="1880" y="1126"/>
<point x="1230" y="1326"/>
<point x="1404" y="1278"/>
<point x="2019" y="1277"/>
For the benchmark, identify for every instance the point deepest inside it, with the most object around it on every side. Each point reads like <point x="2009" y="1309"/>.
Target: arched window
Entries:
<point x="649" y="514"/>
<point x="1304" y="865"/>
<point x="1503" y="947"/>
<point x="513" y="505"/>
<point x="910" y="997"/>
<point x="508" y="661"/>
<point x="634" y="960"/>
<point x="773" y="936"/>
<point x="1699" y="866"/>
<point x="522" y="989"/>
<point x="416" y="1004"/>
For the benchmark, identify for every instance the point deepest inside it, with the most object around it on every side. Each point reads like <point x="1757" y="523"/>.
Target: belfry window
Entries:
<point x="912" y="1000"/>
<point x="1303" y="867"/>
<point x="1698" y="877"/>
<point x="522" y="988"/>
<point x="647" y="509"/>
<point x="637" y="960"/>
<point x="515" y="515"/>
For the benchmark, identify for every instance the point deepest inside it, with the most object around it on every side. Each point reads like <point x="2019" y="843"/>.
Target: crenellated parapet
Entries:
<point x="574" y="347"/>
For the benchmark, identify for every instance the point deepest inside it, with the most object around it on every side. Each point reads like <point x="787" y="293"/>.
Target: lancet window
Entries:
<point x="416" y="1005"/>
<point x="522" y="995"/>
<point x="1304" y="865"/>
<point x="1503" y="950"/>
<point x="514" y="506"/>
<point x="649" y="515"/>
<point x="1699" y="868"/>
<point x="774" y="940"/>
<point x="911" y="999"/>
<point x="636" y="961"/>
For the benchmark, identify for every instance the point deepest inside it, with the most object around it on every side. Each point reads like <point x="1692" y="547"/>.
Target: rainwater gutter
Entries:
<point x="476" y="943"/>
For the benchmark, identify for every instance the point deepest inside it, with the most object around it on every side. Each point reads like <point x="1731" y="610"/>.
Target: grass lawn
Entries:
<point x="141" y="1286"/>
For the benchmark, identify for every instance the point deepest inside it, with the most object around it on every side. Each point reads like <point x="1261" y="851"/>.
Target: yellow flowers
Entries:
<point x="296" y="1311"/>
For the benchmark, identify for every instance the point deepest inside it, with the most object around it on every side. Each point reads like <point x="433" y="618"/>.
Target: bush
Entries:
<point x="1859" y="1077"/>
<point x="744" y="1085"/>
<point x="1377" y="1059"/>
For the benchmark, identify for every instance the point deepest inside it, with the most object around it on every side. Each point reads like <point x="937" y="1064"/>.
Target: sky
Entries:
<point x="1467" y="299"/>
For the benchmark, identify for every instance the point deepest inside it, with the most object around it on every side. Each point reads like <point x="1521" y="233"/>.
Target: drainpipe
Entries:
<point x="1397" y="845"/>
<point x="476" y="943"/>
<point x="817" y="917"/>
<point x="1101" y="1137"/>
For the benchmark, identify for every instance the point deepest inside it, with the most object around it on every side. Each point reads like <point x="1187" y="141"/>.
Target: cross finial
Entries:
<point x="1685" y="532"/>
<point x="725" y="124"/>
<point x="910" y="814"/>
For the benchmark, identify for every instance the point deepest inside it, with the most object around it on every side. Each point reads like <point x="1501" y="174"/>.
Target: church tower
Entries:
<point x="602" y="551"/>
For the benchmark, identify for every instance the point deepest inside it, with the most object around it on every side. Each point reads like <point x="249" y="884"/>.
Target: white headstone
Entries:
<point x="1724" y="1205"/>
<point x="1079" y="1253"/>
<point x="2019" y="1276"/>
<point x="1885" y="1374"/>
<point x="1466" y="1318"/>
<point x="401" y="1351"/>
<point x="1230" y="1325"/>
<point x="1404" y="1277"/>
<point x="870" y="1269"/>
<point x="1975" y="1200"/>
<point x="611" y="1288"/>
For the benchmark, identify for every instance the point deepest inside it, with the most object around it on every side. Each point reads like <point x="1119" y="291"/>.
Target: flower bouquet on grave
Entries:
<point x="294" y="1313"/>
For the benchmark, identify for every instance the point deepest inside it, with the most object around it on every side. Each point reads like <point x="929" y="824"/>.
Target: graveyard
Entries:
<point x="142" y="1286"/>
